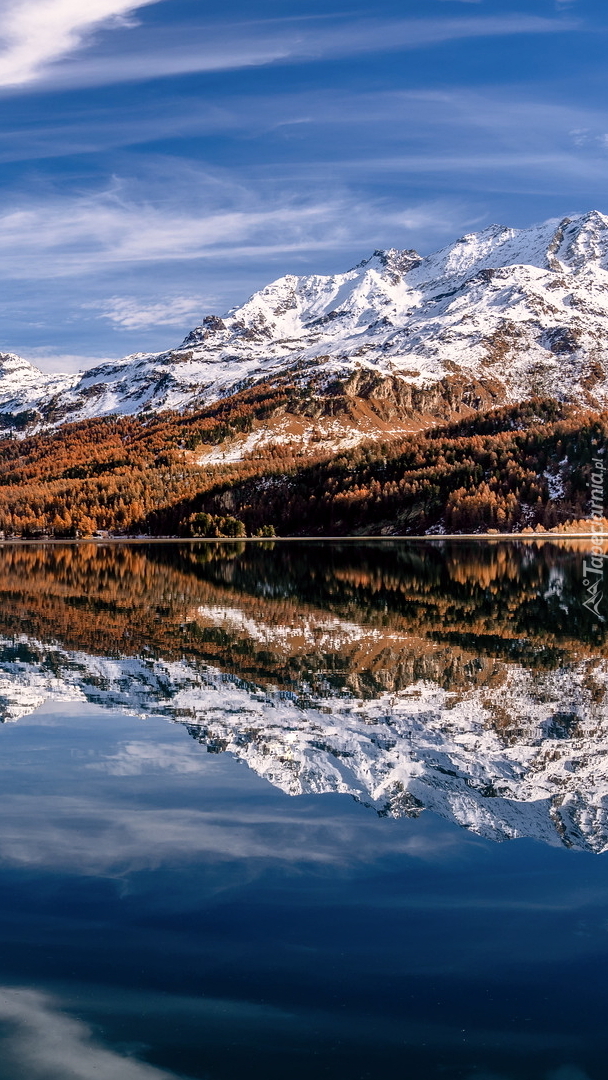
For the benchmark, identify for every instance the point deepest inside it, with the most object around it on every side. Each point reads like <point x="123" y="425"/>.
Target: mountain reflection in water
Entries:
<point x="466" y="679"/>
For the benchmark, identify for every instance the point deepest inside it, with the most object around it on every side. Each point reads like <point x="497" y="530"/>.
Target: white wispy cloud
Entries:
<point x="35" y="33"/>
<point x="208" y="48"/>
<point x="497" y="132"/>
<point x="129" y="313"/>
<point x="206" y="218"/>
<point x="497" y="119"/>
<point x="71" y="235"/>
<point x="46" y="1042"/>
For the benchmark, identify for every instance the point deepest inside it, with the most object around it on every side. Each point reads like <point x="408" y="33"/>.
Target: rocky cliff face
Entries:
<point x="500" y="315"/>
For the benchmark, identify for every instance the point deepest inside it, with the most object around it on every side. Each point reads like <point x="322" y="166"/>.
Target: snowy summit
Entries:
<point x="515" y="313"/>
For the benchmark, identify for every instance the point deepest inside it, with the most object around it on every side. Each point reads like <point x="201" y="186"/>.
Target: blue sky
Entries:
<point x="161" y="160"/>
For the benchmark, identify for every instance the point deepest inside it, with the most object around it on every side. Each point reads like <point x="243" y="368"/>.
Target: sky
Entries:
<point x="162" y="159"/>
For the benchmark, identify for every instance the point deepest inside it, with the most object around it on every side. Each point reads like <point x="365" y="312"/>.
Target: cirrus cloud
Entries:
<point x="34" y="33"/>
<point x="129" y="313"/>
<point x="39" y="33"/>
<point x="206" y="218"/>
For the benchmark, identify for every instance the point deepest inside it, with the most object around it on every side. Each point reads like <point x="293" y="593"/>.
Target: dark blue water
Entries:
<point x="168" y="911"/>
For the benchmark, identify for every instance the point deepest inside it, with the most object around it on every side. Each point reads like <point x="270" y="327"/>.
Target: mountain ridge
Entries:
<point x="499" y="315"/>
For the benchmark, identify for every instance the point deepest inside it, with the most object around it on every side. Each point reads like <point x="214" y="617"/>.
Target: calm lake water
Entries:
<point x="302" y="809"/>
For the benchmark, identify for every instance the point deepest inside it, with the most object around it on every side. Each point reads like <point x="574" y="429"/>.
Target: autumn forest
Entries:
<point x="512" y="469"/>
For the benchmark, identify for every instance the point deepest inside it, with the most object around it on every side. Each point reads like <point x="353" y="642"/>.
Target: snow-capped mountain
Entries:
<point x="497" y="316"/>
<point x="423" y="747"/>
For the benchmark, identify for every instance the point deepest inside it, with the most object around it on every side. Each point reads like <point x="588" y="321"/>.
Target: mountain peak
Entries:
<point x="10" y="363"/>
<point x="505" y="313"/>
<point x="210" y="325"/>
<point x="394" y="260"/>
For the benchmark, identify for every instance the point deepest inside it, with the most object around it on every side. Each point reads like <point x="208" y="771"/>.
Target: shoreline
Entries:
<point x="488" y="537"/>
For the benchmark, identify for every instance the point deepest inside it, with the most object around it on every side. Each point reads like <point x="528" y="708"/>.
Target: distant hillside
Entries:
<point x="509" y="469"/>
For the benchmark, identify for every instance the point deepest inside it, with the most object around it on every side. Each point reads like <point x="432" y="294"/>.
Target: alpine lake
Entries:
<point x="298" y="809"/>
